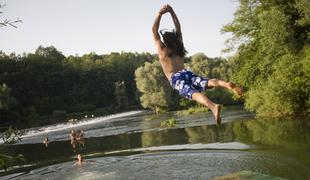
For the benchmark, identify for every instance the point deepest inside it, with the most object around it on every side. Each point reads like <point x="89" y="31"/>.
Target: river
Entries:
<point x="135" y="145"/>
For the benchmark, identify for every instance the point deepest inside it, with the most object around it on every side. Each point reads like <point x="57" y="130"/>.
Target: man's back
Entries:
<point x="171" y="53"/>
<point x="170" y="65"/>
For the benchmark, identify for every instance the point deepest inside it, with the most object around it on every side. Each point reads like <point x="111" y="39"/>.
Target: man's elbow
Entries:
<point x="154" y="30"/>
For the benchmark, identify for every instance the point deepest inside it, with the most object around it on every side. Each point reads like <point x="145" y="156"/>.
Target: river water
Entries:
<point x="135" y="145"/>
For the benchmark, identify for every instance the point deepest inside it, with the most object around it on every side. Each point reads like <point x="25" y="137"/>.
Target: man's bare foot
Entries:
<point x="217" y="114"/>
<point x="236" y="89"/>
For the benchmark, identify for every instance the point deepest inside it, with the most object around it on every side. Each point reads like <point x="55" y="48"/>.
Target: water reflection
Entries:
<point x="282" y="132"/>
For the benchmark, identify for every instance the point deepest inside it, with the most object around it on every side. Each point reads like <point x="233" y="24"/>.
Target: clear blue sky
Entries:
<point x="104" y="26"/>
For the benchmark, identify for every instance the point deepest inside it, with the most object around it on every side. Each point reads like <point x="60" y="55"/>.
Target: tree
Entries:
<point x="120" y="94"/>
<point x="212" y="68"/>
<point x="49" y="52"/>
<point x="5" y="97"/>
<point x="8" y="22"/>
<point x="199" y="64"/>
<point x="156" y="91"/>
<point x="273" y="38"/>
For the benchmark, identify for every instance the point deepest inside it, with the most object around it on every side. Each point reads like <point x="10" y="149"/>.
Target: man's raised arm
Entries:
<point x="175" y="20"/>
<point x="155" y="28"/>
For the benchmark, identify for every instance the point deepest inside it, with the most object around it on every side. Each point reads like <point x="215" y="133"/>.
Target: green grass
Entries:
<point x="168" y="123"/>
<point x="193" y="110"/>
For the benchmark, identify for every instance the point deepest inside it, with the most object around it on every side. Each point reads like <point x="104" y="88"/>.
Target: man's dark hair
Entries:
<point x="174" y="42"/>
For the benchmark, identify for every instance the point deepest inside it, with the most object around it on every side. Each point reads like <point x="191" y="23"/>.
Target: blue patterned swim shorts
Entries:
<point x="187" y="83"/>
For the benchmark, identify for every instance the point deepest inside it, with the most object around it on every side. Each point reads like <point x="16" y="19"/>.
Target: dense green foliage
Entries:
<point x="154" y="86"/>
<point x="5" y="99"/>
<point x="213" y="68"/>
<point x="273" y="57"/>
<point x="48" y="83"/>
<point x="157" y="94"/>
<point x="7" y="161"/>
<point x="11" y="135"/>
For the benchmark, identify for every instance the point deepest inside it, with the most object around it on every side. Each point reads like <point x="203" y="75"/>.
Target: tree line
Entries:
<point x="48" y="84"/>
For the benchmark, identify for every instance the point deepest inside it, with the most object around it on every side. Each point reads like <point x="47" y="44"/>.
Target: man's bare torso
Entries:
<point x="170" y="65"/>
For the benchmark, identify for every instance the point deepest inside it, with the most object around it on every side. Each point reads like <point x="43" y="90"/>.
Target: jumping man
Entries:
<point x="171" y="56"/>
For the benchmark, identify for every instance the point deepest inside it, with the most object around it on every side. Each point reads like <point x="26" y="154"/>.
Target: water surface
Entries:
<point x="133" y="145"/>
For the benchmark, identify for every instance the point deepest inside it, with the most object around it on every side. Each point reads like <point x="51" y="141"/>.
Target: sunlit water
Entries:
<point x="133" y="145"/>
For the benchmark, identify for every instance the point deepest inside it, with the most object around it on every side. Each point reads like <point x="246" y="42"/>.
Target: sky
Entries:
<point x="77" y="27"/>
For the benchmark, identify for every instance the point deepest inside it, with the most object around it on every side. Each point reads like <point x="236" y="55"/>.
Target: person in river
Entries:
<point x="46" y="141"/>
<point x="79" y="160"/>
<point x="73" y="140"/>
<point x="80" y="138"/>
<point x="171" y="54"/>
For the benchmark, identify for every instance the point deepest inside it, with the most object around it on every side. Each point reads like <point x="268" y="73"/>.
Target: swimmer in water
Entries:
<point x="79" y="160"/>
<point x="46" y="142"/>
<point x="80" y="137"/>
<point x="73" y="140"/>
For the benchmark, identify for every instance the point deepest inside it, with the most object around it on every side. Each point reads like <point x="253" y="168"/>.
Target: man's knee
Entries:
<point x="212" y="82"/>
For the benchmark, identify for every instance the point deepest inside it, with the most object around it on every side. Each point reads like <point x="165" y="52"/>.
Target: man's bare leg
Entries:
<point x="220" y="83"/>
<point x="215" y="108"/>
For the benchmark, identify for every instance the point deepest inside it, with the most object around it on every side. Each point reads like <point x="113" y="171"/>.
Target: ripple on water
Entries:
<point x="189" y="164"/>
